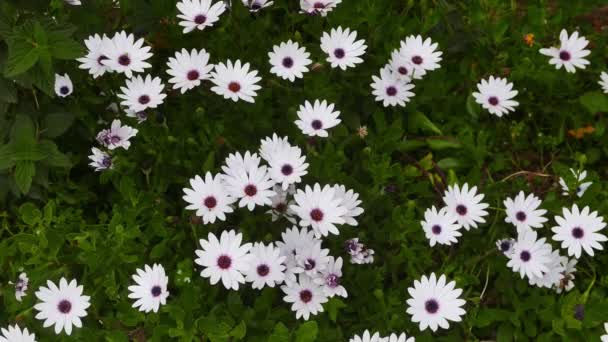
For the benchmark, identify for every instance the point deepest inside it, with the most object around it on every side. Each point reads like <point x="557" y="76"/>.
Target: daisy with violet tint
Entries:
<point x="330" y="278"/>
<point x="400" y="338"/>
<point x="294" y="240"/>
<point x="604" y="81"/>
<point x="580" y="187"/>
<point x="266" y="266"/>
<point x="198" y="14"/>
<point x="62" y="306"/>
<point x="342" y="48"/>
<point x="434" y="302"/>
<point x="317" y="207"/>
<point x="117" y="136"/>
<point x="209" y="198"/>
<point x="312" y="259"/>
<point x="403" y="68"/>
<point x="321" y="7"/>
<point x="496" y="96"/>
<point x="21" y="286"/>
<point x="140" y="116"/>
<point x="224" y="259"/>
<point x="188" y="69"/>
<point x="150" y="289"/>
<point x="15" y="334"/>
<point x="256" y="5"/>
<point x="100" y="160"/>
<point x="251" y="185"/>
<point x="141" y="93"/>
<point x="235" y="81"/>
<point x="97" y="47"/>
<point x="126" y="55"/>
<point x="422" y="54"/>
<point x="349" y="200"/>
<point x="63" y="85"/>
<point x="466" y="204"/>
<point x="530" y="256"/>
<point x="566" y="281"/>
<point x="359" y="253"/>
<point x="315" y="119"/>
<point x="524" y="213"/>
<point x="440" y="226"/>
<point x="367" y="337"/>
<point x="307" y="297"/>
<point x="570" y="53"/>
<point x="506" y="246"/>
<point x="287" y="166"/>
<point x="579" y="230"/>
<point x="553" y="274"/>
<point x="289" y="61"/>
<point x="391" y="89"/>
<point x="280" y="204"/>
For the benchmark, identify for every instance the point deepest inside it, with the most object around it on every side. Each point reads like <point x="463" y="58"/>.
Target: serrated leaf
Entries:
<point x="280" y="333"/>
<point x="23" y="132"/>
<point x="24" y="173"/>
<point x="55" y="124"/>
<point x="307" y="332"/>
<point x="53" y="156"/>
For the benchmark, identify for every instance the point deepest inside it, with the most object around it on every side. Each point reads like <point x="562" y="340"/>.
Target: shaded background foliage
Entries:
<point x="59" y="218"/>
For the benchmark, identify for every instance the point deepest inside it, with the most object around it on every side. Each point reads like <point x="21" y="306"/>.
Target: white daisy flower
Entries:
<point x="321" y="7"/>
<point x="400" y="338"/>
<point x="289" y="61"/>
<point x="270" y="146"/>
<point x="21" y="286"/>
<point x="434" y="302"/>
<point x="198" y="14"/>
<point x="62" y="306"/>
<point x="349" y="200"/>
<point x="368" y="337"/>
<point x="581" y="187"/>
<point x="142" y="93"/>
<point x="188" y="69"/>
<point x="440" y="226"/>
<point x="330" y="278"/>
<point x="252" y="186"/>
<point x="225" y="259"/>
<point x="390" y="89"/>
<point x="100" y="160"/>
<point x="566" y="281"/>
<point x="117" y="136"/>
<point x="63" y="85"/>
<point x="423" y="54"/>
<point x="315" y="119"/>
<point x="287" y="166"/>
<point x="209" y="198"/>
<point x="266" y="267"/>
<point x="256" y="5"/>
<point x="466" y="204"/>
<point x="496" y="95"/>
<point x="571" y="52"/>
<point x="506" y="246"/>
<point x="97" y="47"/>
<point x="317" y="207"/>
<point x="530" y="256"/>
<point x="295" y="240"/>
<point x="523" y="212"/>
<point x="312" y="259"/>
<point x="150" y="289"/>
<point x="359" y="253"/>
<point x="403" y="67"/>
<point x="553" y="274"/>
<point x="233" y="81"/>
<point x="306" y="296"/>
<point x="605" y="337"/>
<point x="15" y="334"/>
<point x="125" y="55"/>
<point x="342" y="48"/>
<point x="236" y="162"/>
<point x="578" y="230"/>
<point x="280" y="204"/>
<point x="604" y="81"/>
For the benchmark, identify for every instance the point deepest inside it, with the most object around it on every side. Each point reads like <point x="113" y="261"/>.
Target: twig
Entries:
<point x="485" y="286"/>
<point x="519" y="173"/>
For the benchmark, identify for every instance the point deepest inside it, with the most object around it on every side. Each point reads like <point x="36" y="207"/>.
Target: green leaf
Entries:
<point x="594" y="102"/>
<point x="29" y="213"/>
<point x="472" y="107"/>
<point x="23" y="132"/>
<point x="441" y="144"/>
<point x="307" y="332"/>
<point x="6" y="157"/>
<point x="22" y="56"/>
<point x="333" y="306"/>
<point x="8" y="93"/>
<point x="280" y="333"/>
<point x="239" y="331"/>
<point x="419" y="121"/>
<point x="55" y="124"/>
<point x="24" y="173"/>
<point x="53" y="156"/>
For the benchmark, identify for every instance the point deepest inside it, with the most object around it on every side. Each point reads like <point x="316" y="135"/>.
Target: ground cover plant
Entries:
<point x="355" y="170"/>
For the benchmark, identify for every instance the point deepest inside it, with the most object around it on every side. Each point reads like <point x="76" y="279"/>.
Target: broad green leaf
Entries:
<point x="280" y="333"/>
<point x="307" y="332"/>
<point x="24" y="173"/>
<point x="239" y="331"/>
<point x="419" y="121"/>
<point x="29" y="213"/>
<point x="23" y="133"/>
<point x="53" y="156"/>
<point x="22" y="55"/>
<point x="6" y="157"/>
<point x="55" y="124"/>
<point x="595" y="102"/>
<point x="441" y="144"/>
<point x="333" y="306"/>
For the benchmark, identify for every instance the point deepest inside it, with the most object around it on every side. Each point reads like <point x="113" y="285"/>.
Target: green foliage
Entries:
<point x="58" y="218"/>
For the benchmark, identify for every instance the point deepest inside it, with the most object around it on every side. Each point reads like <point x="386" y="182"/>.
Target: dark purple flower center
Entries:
<point x="316" y="215"/>
<point x="436" y="229"/>
<point x="210" y="202"/>
<point x="319" y="5"/>
<point x="193" y="75"/>
<point x="64" y="90"/>
<point x="417" y="60"/>
<point x="234" y="87"/>
<point x="144" y="99"/>
<point x="391" y="91"/>
<point x="309" y="264"/>
<point x="520" y="216"/>
<point x="287" y="62"/>
<point x="525" y="256"/>
<point x="505" y="246"/>
<point x="287" y="169"/>
<point x="251" y="190"/>
<point x="461" y="210"/>
<point x="263" y="270"/>
<point x="224" y="262"/>
<point x="107" y="162"/>
<point x="100" y="59"/>
<point x="333" y="280"/>
<point x="578" y="232"/>
<point x="564" y="55"/>
<point x="339" y="53"/>
<point x="305" y="296"/>
<point x="115" y="139"/>
<point x="64" y="306"/>
<point x="317" y="124"/>
<point x="124" y="60"/>
<point x="281" y="207"/>
<point x="200" y="19"/>
<point x="402" y="70"/>
<point x="156" y="291"/>
<point x="431" y="306"/>
<point x="493" y="100"/>
<point x="255" y="6"/>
